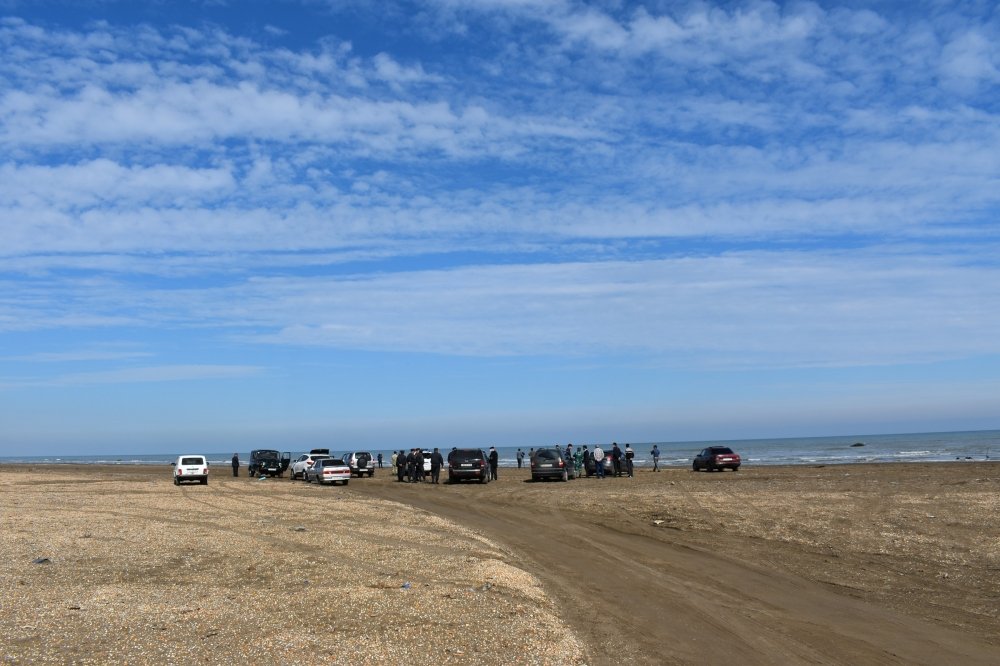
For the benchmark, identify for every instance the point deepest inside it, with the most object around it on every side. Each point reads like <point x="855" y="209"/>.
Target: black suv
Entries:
<point x="269" y="462"/>
<point x="551" y="463"/>
<point x="468" y="464"/>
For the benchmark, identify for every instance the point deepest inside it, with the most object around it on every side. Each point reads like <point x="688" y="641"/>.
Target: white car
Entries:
<point x="329" y="470"/>
<point x="304" y="462"/>
<point x="191" y="467"/>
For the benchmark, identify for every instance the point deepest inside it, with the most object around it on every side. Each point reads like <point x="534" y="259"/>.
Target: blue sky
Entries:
<point x="230" y="224"/>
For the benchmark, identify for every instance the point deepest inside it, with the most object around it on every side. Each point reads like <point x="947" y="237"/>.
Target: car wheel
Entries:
<point x="177" y="481"/>
<point x="736" y="469"/>
<point x="345" y="482"/>
<point x="204" y="482"/>
<point x="565" y="476"/>
<point x="534" y="479"/>
<point x="371" y="474"/>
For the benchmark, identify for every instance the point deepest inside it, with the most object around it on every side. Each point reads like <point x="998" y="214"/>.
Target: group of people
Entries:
<point x="410" y="466"/>
<point x="622" y="460"/>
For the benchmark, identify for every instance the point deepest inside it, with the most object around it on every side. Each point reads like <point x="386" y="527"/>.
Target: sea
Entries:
<point x="975" y="445"/>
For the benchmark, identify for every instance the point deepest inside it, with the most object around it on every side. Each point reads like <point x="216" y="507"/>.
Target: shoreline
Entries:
<point x="845" y="563"/>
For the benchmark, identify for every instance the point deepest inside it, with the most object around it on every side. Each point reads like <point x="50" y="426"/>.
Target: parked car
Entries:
<point x="268" y="461"/>
<point x="328" y="470"/>
<point x="361" y="463"/>
<point x="550" y="463"/>
<point x="190" y="468"/>
<point x="591" y="466"/>
<point x="716" y="458"/>
<point x="468" y="464"/>
<point x="302" y="463"/>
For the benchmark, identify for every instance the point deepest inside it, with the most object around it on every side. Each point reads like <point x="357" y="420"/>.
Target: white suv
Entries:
<point x="303" y="463"/>
<point x="191" y="467"/>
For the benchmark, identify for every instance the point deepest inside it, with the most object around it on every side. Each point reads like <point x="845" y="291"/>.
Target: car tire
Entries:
<point x="345" y="482"/>
<point x="736" y="469"/>
<point x="177" y="481"/>
<point x="565" y="476"/>
<point x="371" y="474"/>
<point x="204" y="482"/>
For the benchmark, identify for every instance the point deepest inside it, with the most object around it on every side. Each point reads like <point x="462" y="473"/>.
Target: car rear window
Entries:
<point x="467" y="454"/>
<point x="331" y="462"/>
<point x="548" y="454"/>
<point x="192" y="461"/>
<point x="721" y="449"/>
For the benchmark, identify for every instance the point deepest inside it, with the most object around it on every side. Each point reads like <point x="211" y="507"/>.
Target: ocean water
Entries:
<point x="912" y="447"/>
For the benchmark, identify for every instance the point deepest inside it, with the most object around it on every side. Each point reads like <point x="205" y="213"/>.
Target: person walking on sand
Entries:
<point x="598" y="461"/>
<point x="494" y="463"/>
<point x="656" y="458"/>
<point x="236" y="464"/>
<point x="436" y="461"/>
<point x="629" y="455"/>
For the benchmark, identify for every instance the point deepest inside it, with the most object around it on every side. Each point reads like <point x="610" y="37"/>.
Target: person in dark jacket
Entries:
<point x="494" y="459"/>
<point x="616" y="459"/>
<point x="436" y="461"/>
<point x="401" y="466"/>
<point x="629" y="465"/>
<point x="236" y="464"/>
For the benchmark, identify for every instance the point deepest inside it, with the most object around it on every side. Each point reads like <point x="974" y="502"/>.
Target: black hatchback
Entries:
<point x="468" y="464"/>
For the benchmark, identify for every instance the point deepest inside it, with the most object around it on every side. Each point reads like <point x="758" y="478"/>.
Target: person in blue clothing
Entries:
<point x="656" y="458"/>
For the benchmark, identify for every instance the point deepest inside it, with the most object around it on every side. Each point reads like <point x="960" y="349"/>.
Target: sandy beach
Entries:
<point x="840" y="564"/>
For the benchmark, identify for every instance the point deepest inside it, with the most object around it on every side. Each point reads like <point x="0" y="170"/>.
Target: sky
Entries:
<point x="305" y="223"/>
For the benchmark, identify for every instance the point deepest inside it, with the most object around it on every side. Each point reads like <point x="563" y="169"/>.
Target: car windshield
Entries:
<point x="192" y="461"/>
<point x="267" y="455"/>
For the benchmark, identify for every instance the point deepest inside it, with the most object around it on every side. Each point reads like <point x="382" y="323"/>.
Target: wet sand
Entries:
<point x="839" y="564"/>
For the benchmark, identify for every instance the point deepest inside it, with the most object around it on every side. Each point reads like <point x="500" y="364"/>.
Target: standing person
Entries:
<point x="380" y="461"/>
<point x="598" y="461"/>
<point x="569" y="452"/>
<point x="411" y="465"/>
<point x="616" y="459"/>
<point x="656" y="458"/>
<point x="520" y="458"/>
<point x="236" y="464"/>
<point x="401" y="466"/>
<point x="586" y="459"/>
<point x="578" y="462"/>
<point x="629" y="455"/>
<point x="494" y="463"/>
<point x="436" y="461"/>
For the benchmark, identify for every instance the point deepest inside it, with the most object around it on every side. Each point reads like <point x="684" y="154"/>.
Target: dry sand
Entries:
<point x="841" y="564"/>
